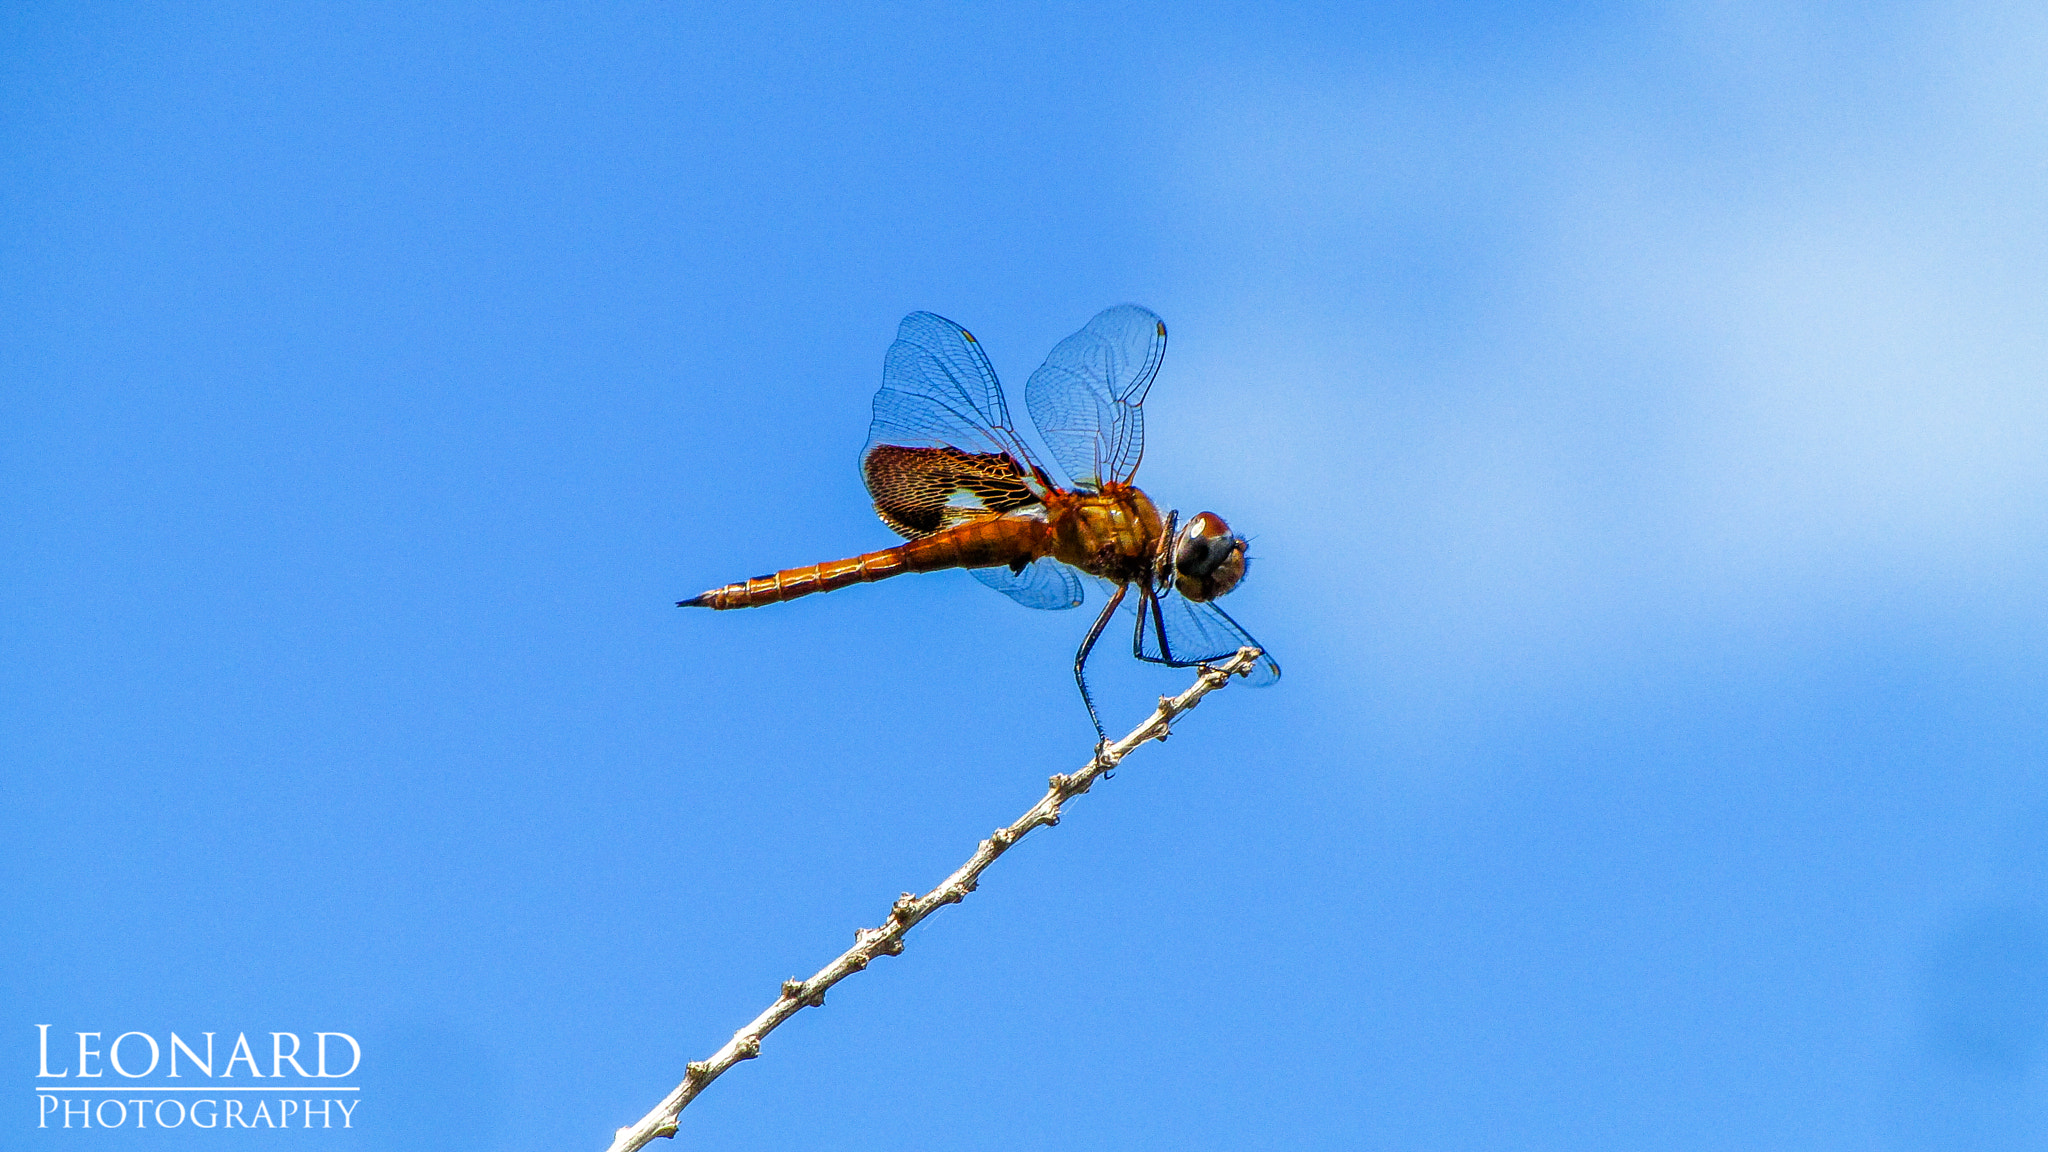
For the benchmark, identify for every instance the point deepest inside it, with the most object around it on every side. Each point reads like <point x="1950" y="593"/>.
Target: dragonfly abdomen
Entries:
<point x="998" y="541"/>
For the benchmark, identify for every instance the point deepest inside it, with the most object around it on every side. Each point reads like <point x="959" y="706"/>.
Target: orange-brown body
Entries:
<point x="1114" y="533"/>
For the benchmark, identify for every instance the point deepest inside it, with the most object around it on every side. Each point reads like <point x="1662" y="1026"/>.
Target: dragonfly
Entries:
<point x="949" y="472"/>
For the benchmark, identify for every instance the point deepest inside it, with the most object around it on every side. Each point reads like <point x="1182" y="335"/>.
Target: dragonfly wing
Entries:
<point x="1085" y="398"/>
<point x="941" y="448"/>
<point x="918" y="491"/>
<point x="1044" y="583"/>
<point x="1197" y="633"/>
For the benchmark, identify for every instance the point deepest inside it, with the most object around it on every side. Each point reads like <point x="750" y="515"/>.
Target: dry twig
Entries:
<point x="909" y="909"/>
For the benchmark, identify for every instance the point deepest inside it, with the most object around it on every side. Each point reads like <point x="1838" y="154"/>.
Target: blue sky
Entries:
<point x="1637" y="412"/>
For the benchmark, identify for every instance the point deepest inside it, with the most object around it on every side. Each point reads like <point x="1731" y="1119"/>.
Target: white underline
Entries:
<point x="173" y="1088"/>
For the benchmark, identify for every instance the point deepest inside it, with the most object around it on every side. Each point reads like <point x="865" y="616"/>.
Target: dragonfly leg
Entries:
<point x="1150" y="613"/>
<point x="1165" y="643"/>
<point x="1081" y="662"/>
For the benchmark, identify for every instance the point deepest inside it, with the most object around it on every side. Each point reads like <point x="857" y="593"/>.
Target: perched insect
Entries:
<point x="948" y="471"/>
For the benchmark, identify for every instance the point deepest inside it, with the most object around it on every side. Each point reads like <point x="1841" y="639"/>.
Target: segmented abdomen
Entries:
<point x="993" y="542"/>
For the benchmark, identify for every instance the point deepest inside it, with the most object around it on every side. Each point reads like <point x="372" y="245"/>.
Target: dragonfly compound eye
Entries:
<point x="1208" y="559"/>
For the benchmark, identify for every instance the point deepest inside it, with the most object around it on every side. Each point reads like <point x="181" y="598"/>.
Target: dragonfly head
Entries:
<point x="1208" y="559"/>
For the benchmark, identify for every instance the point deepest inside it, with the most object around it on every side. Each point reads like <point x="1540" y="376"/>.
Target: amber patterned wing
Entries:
<point x="1085" y="398"/>
<point x="942" y="450"/>
<point x="918" y="491"/>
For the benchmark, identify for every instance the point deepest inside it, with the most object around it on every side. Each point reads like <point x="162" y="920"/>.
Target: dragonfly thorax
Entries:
<point x="1113" y="533"/>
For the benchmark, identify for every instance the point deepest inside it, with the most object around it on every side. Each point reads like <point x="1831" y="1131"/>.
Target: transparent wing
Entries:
<point x="941" y="448"/>
<point x="1044" y="583"/>
<point x="938" y="391"/>
<point x="1195" y="634"/>
<point x="1085" y="398"/>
